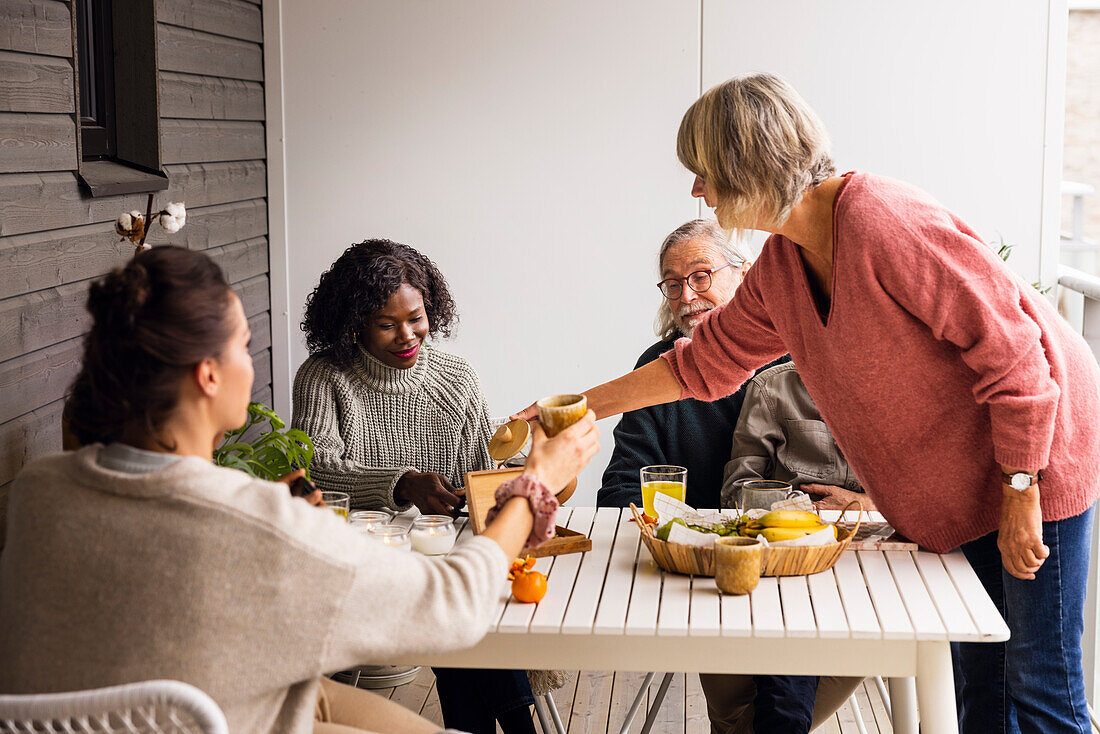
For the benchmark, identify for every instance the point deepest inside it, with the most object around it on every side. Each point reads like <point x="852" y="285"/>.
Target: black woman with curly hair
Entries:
<point x="397" y="422"/>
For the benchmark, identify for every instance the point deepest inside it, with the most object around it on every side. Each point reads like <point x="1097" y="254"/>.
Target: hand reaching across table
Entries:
<point x="836" y="498"/>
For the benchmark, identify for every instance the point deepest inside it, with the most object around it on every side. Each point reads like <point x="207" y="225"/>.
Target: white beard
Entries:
<point x="684" y="313"/>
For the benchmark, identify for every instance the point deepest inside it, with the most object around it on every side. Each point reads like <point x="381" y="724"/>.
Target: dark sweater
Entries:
<point x="689" y="433"/>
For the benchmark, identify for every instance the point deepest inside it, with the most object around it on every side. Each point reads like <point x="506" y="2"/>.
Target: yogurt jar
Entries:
<point x="433" y="535"/>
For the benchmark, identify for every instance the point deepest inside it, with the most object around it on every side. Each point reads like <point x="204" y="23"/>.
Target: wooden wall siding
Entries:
<point x="195" y="52"/>
<point x="54" y="239"/>
<point x="46" y="201"/>
<point x="201" y="141"/>
<point x="194" y="97"/>
<point x="233" y="18"/>
<point x="48" y="259"/>
<point x="35" y="83"/>
<point x="34" y="142"/>
<point x="36" y="26"/>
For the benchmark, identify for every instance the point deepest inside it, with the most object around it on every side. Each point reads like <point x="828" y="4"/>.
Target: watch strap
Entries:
<point x="1036" y="477"/>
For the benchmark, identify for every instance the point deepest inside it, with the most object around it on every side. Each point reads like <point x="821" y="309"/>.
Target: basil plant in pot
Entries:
<point x="265" y="454"/>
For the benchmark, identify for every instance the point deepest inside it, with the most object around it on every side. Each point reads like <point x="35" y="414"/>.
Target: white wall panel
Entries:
<point x="529" y="148"/>
<point x="947" y="95"/>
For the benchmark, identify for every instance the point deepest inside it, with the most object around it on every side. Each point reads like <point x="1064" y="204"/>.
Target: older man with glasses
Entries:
<point x="700" y="269"/>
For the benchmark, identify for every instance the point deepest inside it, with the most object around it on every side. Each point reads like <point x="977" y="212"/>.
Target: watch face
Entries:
<point x="1021" y="481"/>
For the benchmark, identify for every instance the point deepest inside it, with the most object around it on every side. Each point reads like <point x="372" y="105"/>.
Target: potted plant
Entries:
<point x="268" y="454"/>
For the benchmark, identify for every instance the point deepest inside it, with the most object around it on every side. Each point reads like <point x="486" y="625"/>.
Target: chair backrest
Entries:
<point x="149" y="707"/>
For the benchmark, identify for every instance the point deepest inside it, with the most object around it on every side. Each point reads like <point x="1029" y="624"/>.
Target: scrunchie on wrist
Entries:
<point x="544" y="506"/>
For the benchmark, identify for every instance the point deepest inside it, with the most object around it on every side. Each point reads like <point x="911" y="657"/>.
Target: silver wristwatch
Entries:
<point x="1021" y="480"/>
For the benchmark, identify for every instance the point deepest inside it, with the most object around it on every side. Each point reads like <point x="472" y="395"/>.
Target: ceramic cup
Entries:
<point x="761" y="494"/>
<point x="558" y="412"/>
<point x="737" y="564"/>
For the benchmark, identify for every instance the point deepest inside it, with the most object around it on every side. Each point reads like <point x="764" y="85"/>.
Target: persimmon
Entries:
<point x="528" y="586"/>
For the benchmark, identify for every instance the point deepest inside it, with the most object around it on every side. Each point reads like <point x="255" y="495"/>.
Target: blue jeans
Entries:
<point x="1034" y="682"/>
<point x="475" y="700"/>
<point x="784" y="704"/>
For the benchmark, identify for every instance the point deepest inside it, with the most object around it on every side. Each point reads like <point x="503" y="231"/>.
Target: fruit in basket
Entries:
<point x="779" y="525"/>
<point x="664" y="530"/>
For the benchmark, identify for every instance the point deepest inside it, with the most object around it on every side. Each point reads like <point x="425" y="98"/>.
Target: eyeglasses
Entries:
<point x="699" y="281"/>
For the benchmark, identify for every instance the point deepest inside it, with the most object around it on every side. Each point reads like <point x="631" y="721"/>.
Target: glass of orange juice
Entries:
<point x="338" y="502"/>
<point x="663" y="478"/>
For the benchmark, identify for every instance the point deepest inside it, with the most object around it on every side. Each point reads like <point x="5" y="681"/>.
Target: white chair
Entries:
<point x="148" y="707"/>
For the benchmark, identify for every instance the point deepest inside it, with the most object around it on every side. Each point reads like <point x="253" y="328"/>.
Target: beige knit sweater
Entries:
<point x="205" y="575"/>
<point x="372" y="423"/>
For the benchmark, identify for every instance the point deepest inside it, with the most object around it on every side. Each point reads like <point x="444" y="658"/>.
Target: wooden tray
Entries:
<point x="781" y="561"/>
<point x="481" y="487"/>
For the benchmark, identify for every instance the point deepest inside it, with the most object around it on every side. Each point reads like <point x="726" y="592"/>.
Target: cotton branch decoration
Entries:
<point x="134" y="225"/>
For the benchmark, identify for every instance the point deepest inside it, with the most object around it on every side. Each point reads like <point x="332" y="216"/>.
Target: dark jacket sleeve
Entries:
<point x="637" y="444"/>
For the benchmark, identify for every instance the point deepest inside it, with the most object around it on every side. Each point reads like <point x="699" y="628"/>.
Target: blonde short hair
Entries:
<point x="664" y="325"/>
<point x="760" y="146"/>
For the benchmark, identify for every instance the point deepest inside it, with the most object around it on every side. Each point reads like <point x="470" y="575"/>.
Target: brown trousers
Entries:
<point x="729" y="700"/>
<point x="343" y="709"/>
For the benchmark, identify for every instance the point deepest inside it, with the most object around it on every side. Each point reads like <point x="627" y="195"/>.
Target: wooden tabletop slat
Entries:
<point x="560" y="585"/>
<point x="858" y="607"/>
<point x="767" y="610"/>
<point x="585" y="602"/>
<point x="956" y="618"/>
<point x="517" y="615"/>
<point x="892" y="614"/>
<point x="675" y="605"/>
<point x="914" y="594"/>
<point x="828" y="608"/>
<point x="706" y="609"/>
<point x="991" y="626"/>
<point x="615" y="599"/>
<point x="736" y="615"/>
<point x="645" y="597"/>
<point x="798" y="611"/>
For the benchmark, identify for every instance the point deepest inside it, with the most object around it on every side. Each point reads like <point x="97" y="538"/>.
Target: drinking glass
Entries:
<point x="394" y="536"/>
<point x="433" y="535"/>
<point x="338" y="502"/>
<point x="663" y="478"/>
<point x="761" y="494"/>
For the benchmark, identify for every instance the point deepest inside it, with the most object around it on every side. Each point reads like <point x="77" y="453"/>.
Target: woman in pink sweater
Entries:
<point x="962" y="400"/>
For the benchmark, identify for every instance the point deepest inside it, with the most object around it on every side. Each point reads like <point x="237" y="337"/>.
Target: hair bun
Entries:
<point x="117" y="299"/>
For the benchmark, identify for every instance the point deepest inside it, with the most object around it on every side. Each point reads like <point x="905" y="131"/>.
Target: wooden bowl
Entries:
<point x="567" y="491"/>
<point x="777" y="561"/>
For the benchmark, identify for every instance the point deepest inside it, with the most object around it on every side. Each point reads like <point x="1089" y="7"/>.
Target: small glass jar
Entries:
<point x="366" y="520"/>
<point x="394" y="536"/>
<point x="433" y="535"/>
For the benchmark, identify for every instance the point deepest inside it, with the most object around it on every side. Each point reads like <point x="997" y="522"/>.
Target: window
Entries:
<point x="97" y="93"/>
<point x="116" y="85"/>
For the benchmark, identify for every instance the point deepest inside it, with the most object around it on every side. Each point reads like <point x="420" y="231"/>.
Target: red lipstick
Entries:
<point x="407" y="354"/>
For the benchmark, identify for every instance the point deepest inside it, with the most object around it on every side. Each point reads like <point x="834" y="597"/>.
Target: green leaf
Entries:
<point x="272" y="453"/>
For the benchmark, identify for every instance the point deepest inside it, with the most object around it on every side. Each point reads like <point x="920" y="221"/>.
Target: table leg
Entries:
<point x="936" y="688"/>
<point x="903" y="705"/>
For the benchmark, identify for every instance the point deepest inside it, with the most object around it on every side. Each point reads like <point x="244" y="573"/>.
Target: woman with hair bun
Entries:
<point x="397" y="422"/>
<point x="135" y="558"/>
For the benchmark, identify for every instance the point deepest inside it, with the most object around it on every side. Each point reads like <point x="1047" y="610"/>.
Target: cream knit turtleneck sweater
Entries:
<point x="372" y="423"/>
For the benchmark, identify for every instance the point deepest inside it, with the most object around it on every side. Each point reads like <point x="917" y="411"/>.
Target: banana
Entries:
<point x="775" y="535"/>
<point x="789" y="519"/>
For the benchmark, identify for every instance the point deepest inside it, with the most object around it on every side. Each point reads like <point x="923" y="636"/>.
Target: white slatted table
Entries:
<point x="881" y="613"/>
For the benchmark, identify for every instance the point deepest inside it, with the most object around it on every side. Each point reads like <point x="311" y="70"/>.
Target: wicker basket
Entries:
<point x="777" y="561"/>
